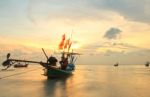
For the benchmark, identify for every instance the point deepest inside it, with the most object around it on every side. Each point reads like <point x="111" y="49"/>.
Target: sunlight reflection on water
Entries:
<point x="87" y="81"/>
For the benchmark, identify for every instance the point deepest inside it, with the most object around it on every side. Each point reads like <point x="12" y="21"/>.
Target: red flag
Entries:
<point x="67" y="43"/>
<point x="61" y="45"/>
<point x="63" y="37"/>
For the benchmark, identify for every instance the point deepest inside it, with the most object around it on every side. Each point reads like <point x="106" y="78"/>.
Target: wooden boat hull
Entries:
<point x="20" y="66"/>
<point x="55" y="73"/>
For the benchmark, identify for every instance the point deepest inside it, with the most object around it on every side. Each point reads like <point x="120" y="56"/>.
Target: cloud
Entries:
<point x="110" y="57"/>
<point x="134" y="10"/>
<point x="21" y="52"/>
<point x="112" y="33"/>
<point x="56" y="9"/>
<point x="75" y="42"/>
<point x="110" y="48"/>
<point x="125" y="45"/>
<point x="110" y="53"/>
<point x="65" y="10"/>
<point x="29" y="12"/>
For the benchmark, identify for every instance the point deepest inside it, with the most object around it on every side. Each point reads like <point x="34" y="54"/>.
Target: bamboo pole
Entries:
<point x="17" y="60"/>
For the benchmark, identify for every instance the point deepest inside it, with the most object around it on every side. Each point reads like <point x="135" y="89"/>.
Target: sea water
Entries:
<point x="87" y="81"/>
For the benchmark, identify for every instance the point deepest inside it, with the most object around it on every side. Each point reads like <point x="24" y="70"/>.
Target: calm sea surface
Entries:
<point x="87" y="81"/>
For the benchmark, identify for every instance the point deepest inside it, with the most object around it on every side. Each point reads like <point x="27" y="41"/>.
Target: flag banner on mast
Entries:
<point x="67" y="43"/>
<point x="61" y="45"/>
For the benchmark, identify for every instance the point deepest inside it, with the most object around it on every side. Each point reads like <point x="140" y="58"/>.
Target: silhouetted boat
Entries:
<point x="19" y="65"/>
<point x="116" y="64"/>
<point x="147" y="64"/>
<point x="50" y="69"/>
<point x="57" y="71"/>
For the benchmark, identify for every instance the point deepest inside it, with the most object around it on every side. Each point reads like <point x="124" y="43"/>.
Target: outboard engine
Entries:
<point x="52" y="61"/>
<point x="7" y="62"/>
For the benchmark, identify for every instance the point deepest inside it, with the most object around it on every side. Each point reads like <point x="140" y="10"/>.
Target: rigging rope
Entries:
<point x="19" y="73"/>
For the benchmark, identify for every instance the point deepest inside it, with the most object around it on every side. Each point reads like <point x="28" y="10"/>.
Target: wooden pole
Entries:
<point x="17" y="60"/>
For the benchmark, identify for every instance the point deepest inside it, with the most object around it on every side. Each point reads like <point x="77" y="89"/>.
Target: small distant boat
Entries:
<point x="19" y="65"/>
<point x="147" y="64"/>
<point x="116" y="64"/>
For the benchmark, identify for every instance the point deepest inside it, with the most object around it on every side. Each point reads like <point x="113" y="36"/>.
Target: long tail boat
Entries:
<point x="67" y="62"/>
<point x="67" y="65"/>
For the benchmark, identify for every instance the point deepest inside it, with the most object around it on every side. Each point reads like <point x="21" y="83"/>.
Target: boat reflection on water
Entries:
<point x="56" y="87"/>
<point x="87" y="81"/>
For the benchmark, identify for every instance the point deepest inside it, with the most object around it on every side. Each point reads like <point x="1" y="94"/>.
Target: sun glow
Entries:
<point x="75" y="46"/>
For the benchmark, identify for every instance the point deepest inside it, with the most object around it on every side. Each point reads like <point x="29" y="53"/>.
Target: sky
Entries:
<point x="103" y="31"/>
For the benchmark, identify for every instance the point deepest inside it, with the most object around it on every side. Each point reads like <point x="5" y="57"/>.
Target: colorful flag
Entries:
<point x="67" y="43"/>
<point x="61" y="45"/>
<point x="63" y="37"/>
